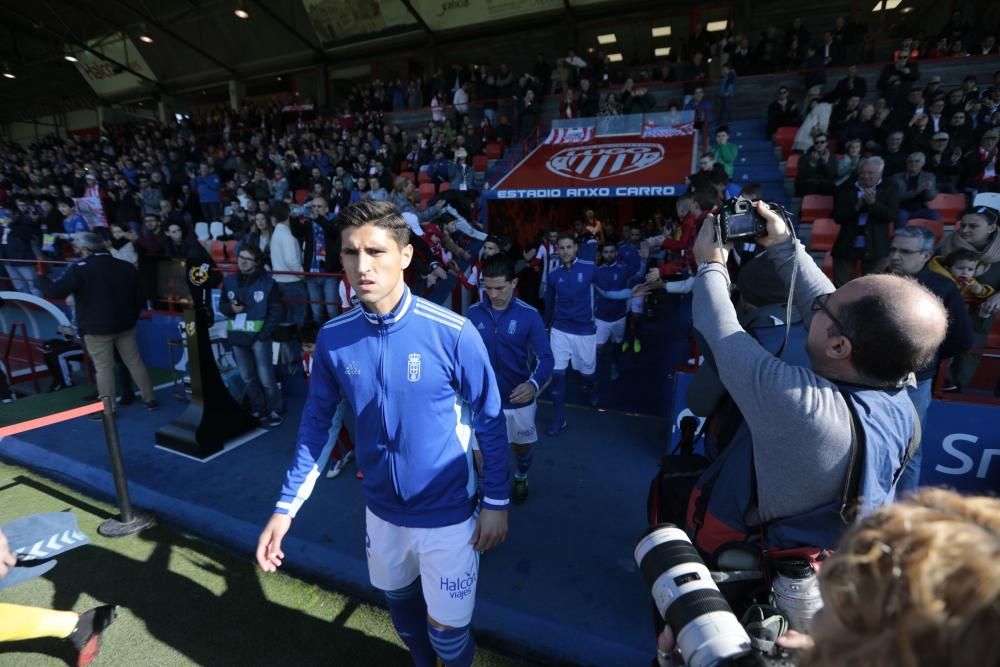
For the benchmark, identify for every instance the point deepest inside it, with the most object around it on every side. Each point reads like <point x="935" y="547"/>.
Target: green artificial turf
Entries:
<point x="185" y="601"/>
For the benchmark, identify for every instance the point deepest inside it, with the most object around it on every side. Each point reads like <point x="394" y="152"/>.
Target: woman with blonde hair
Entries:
<point x="914" y="584"/>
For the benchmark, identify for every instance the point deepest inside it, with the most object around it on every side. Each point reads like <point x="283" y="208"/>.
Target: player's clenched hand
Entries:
<point x="269" y="553"/>
<point x="491" y="530"/>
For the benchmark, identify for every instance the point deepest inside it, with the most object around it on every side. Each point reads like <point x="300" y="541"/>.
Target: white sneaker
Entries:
<point x="339" y="466"/>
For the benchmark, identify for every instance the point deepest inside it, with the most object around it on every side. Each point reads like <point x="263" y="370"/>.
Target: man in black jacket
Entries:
<point x="108" y="301"/>
<point x="864" y="210"/>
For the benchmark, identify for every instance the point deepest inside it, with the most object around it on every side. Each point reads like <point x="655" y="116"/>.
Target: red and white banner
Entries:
<point x="570" y="135"/>
<point x="667" y="131"/>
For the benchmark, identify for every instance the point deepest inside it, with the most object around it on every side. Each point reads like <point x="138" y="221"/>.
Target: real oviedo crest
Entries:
<point x="593" y="163"/>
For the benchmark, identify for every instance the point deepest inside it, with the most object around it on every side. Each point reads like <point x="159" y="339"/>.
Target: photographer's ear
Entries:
<point x="838" y="348"/>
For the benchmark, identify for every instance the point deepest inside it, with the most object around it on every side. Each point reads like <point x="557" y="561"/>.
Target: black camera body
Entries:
<point x="739" y="220"/>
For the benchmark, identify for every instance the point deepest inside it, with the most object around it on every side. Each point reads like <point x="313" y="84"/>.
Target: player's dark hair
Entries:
<point x="566" y="235"/>
<point x="380" y="214"/>
<point x="499" y="266"/>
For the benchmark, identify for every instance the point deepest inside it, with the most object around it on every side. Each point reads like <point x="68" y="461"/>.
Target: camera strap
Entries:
<point x="789" y="302"/>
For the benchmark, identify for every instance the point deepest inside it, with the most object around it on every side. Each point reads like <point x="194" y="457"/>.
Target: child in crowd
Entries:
<point x="961" y="266"/>
<point x="724" y="152"/>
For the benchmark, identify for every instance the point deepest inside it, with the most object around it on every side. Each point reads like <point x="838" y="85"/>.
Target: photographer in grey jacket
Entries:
<point x="779" y="482"/>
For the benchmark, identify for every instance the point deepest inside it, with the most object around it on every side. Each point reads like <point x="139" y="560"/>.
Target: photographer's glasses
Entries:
<point x="819" y="303"/>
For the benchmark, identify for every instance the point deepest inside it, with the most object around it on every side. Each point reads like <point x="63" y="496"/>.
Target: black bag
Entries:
<point x="671" y="488"/>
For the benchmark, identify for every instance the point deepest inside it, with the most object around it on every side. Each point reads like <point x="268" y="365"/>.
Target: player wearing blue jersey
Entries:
<point x="612" y="276"/>
<point x="513" y="333"/>
<point x="418" y="380"/>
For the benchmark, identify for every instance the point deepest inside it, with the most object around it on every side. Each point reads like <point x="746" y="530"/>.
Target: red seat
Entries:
<point x="480" y="163"/>
<point x="785" y="137"/>
<point x="935" y="226"/>
<point x="424" y="177"/>
<point x="993" y="338"/>
<point x="493" y="151"/>
<point x="824" y="233"/>
<point x="410" y="175"/>
<point x="218" y="251"/>
<point x="427" y="191"/>
<point x="232" y="247"/>
<point x="300" y="196"/>
<point x="949" y="206"/>
<point x="444" y="187"/>
<point x="816" y="206"/>
<point x="792" y="166"/>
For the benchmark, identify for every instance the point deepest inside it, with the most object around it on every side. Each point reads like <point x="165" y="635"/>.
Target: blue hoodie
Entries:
<point x="611" y="278"/>
<point x="508" y="335"/>
<point x="412" y="378"/>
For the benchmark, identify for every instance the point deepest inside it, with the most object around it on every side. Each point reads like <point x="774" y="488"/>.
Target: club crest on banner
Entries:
<point x="593" y="163"/>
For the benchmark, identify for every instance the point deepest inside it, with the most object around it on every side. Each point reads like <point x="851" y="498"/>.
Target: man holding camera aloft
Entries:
<point x="783" y="479"/>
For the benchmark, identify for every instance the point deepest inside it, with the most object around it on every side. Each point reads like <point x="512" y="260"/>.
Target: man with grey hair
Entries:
<point x="911" y="249"/>
<point x="108" y="300"/>
<point x="864" y="210"/>
<point x="916" y="189"/>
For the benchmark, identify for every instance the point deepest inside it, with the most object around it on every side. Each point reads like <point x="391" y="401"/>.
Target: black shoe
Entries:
<point x="152" y="405"/>
<point x="520" y="491"/>
<point x="86" y="636"/>
<point x="274" y="420"/>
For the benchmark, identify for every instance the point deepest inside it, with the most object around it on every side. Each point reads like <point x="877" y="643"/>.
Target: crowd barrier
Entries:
<point x="129" y="520"/>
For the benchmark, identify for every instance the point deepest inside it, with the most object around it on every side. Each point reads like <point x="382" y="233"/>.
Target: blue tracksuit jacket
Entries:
<point x="508" y="334"/>
<point x="569" y="298"/>
<point x="411" y="377"/>
<point x="611" y="278"/>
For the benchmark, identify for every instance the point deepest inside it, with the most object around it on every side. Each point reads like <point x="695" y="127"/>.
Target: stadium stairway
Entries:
<point x="756" y="162"/>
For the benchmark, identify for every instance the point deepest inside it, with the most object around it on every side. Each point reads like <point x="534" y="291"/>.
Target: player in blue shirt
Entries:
<point x="612" y="276"/>
<point x="418" y="380"/>
<point x="511" y="330"/>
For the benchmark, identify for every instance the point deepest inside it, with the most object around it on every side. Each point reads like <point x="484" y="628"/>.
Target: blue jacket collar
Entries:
<point x="402" y="308"/>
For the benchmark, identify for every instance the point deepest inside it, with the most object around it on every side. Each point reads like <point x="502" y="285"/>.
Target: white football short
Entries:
<point x="447" y="564"/>
<point x="613" y="331"/>
<point x="521" y="424"/>
<point x="569" y="348"/>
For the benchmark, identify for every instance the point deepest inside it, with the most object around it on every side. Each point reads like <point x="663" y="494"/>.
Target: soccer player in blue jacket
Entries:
<point x="612" y="275"/>
<point x="511" y="329"/>
<point x="419" y="381"/>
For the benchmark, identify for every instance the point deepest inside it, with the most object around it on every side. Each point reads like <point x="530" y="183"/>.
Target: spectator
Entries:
<point x="178" y="244"/>
<point x="121" y="246"/>
<point x="460" y="175"/>
<point x="588" y="100"/>
<point x="905" y="70"/>
<point x="724" y="152"/>
<point x="286" y="262"/>
<point x="72" y="221"/>
<point x="18" y="238"/>
<point x="864" y="210"/>
<point x="461" y="103"/>
<point x="817" y="169"/>
<point x="150" y="195"/>
<point x="894" y="155"/>
<point x="945" y="162"/>
<point x="960" y="267"/>
<point x="977" y="232"/>
<point x="279" y="188"/>
<point x="851" y="85"/>
<point x="251" y="302"/>
<point x="981" y="164"/>
<point x="701" y="107"/>
<point x="322" y="255"/>
<point x="207" y="185"/>
<point x="561" y="77"/>
<point x="742" y="59"/>
<point x="916" y="189"/>
<point x="640" y="101"/>
<point x="611" y="107"/>
<point x="108" y="301"/>
<point x="960" y="134"/>
<point x="782" y="112"/>
<point x="260" y="235"/>
<point x="567" y="106"/>
<point x="911" y="250"/>
<point x="831" y="51"/>
<point x="150" y="241"/>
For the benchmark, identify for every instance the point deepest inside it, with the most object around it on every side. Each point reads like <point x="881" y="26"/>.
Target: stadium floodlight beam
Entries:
<point x="241" y="12"/>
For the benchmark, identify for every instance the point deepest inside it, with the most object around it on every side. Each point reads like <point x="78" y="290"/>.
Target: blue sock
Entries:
<point x="524" y="462"/>
<point x="558" y="392"/>
<point x="455" y="647"/>
<point x="590" y="383"/>
<point x="409" y="615"/>
<point x="616" y="352"/>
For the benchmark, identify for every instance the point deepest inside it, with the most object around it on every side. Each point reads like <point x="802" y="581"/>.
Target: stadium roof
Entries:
<point x="198" y="43"/>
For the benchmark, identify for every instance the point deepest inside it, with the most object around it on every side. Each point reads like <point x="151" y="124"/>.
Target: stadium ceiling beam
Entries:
<point x="191" y="45"/>
<point x="420" y="20"/>
<point x="262" y="5"/>
<point x="44" y="31"/>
